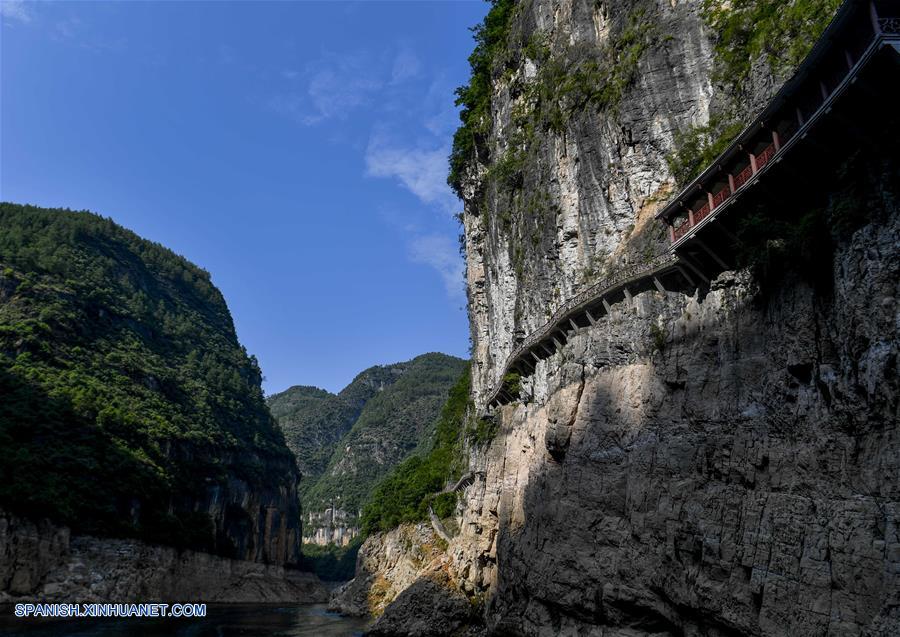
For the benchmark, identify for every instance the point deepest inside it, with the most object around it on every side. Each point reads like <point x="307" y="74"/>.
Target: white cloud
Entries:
<point x="442" y="254"/>
<point x="14" y="11"/>
<point x="422" y="171"/>
<point x="406" y="66"/>
<point x="335" y="85"/>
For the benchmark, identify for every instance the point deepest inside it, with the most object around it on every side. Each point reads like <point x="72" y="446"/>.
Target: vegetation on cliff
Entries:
<point x="475" y="97"/>
<point x="781" y="32"/>
<point x="127" y="399"/>
<point x="778" y="33"/>
<point x="332" y="563"/>
<point x="394" y="423"/>
<point x="415" y="485"/>
<point x="314" y="421"/>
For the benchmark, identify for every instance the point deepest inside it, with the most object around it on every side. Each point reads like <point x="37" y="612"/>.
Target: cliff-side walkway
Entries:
<point x="823" y="114"/>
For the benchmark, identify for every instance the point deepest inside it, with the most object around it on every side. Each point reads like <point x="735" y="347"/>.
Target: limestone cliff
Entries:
<point x="720" y="463"/>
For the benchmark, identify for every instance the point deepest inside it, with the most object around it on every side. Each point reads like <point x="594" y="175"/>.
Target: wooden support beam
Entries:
<point x="628" y="299"/>
<point x="535" y="356"/>
<point x="590" y="318"/>
<point x="689" y="263"/>
<point x="574" y="325"/>
<point x="549" y="351"/>
<point x="726" y="231"/>
<point x="686" y="276"/>
<point x="606" y="306"/>
<point x="710" y="252"/>
<point x="659" y="285"/>
<point x="556" y="342"/>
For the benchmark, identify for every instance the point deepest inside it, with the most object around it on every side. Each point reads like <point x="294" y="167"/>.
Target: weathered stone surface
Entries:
<point x="388" y="563"/>
<point x="429" y="606"/>
<point x="39" y="561"/>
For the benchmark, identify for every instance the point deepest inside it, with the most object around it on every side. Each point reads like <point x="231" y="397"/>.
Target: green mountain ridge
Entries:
<point x="346" y="442"/>
<point x="129" y="408"/>
<point x="314" y="420"/>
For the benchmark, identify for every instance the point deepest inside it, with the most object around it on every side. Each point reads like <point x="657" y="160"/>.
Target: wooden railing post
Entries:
<point x="709" y="198"/>
<point x="691" y="217"/>
<point x="823" y="90"/>
<point x="776" y="139"/>
<point x="799" y="117"/>
<point x="753" y="168"/>
<point x="671" y="231"/>
<point x="731" y="183"/>
<point x="849" y="59"/>
<point x="873" y="15"/>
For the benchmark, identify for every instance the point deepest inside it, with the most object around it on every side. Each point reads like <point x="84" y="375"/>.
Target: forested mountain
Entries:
<point x="314" y="420"/>
<point x="129" y="407"/>
<point x="346" y="442"/>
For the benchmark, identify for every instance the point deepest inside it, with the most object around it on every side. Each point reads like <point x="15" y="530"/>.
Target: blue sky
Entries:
<point x="296" y="150"/>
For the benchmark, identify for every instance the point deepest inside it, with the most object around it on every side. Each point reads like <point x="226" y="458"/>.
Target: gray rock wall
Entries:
<point x="720" y="464"/>
<point x="42" y="562"/>
<point x="742" y="480"/>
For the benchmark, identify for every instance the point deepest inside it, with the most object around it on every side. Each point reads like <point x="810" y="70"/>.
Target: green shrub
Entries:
<point x="659" y="337"/>
<point x="698" y="146"/>
<point x="332" y="563"/>
<point x="782" y="31"/>
<point x="512" y="384"/>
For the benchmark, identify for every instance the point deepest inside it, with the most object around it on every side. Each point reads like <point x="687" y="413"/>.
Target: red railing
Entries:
<point x="763" y="158"/>
<point x="743" y="177"/>
<point x="700" y="214"/>
<point x="721" y="196"/>
<point x="681" y="230"/>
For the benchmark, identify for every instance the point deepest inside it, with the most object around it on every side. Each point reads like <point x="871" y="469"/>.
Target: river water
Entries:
<point x="222" y="620"/>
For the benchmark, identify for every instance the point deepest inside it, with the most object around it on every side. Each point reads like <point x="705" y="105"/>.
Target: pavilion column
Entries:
<point x="709" y="198"/>
<point x="731" y="183"/>
<point x="849" y="59"/>
<point x="776" y="139"/>
<point x="753" y="167"/>
<point x="799" y="117"/>
<point x="671" y="230"/>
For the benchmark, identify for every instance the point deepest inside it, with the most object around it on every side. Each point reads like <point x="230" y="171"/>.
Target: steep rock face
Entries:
<point x="721" y="464"/>
<point x="388" y="564"/>
<point x="43" y="562"/>
<point x="585" y="194"/>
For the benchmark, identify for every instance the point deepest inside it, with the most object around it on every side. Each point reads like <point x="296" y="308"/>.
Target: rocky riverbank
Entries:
<point x="44" y="562"/>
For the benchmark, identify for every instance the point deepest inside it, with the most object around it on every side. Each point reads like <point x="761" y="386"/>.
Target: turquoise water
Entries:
<point x="231" y="620"/>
